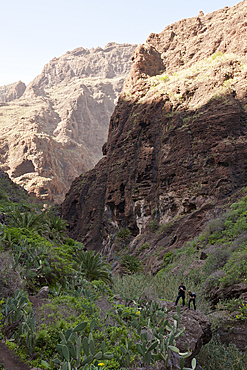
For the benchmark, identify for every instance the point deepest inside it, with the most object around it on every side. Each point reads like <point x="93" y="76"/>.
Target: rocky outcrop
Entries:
<point x="177" y="139"/>
<point x="234" y="332"/>
<point x="15" y="91"/>
<point x="56" y="129"/>
<point x="227" y="293"/>
<point x="197" y="329"/>
<point x="3" y="91"/>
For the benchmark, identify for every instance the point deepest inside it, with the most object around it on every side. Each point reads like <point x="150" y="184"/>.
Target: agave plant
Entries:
<point x="29" y="220"/>
<point x="92" y="266"/>
<point x="130" y="264"/>
<point x="57" y="228"/>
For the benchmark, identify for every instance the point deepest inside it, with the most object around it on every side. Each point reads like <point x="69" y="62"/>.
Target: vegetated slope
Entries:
<point x="177" y="139"/>
<point x="9" y="191"/>
<point x="81" y="313"/>
<point x="55" y="130"/>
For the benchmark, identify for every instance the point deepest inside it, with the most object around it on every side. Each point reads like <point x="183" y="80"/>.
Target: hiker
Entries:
<point x="181" y="293"/>
<point x="192" y="298"/>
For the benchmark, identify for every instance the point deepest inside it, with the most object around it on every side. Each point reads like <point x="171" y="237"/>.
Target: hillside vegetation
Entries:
<point x="90" y="320"/>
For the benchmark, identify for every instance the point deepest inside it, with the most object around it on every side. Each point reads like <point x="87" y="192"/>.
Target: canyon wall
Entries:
<point x="53" y="130"/>
<point x="177" y="140"/>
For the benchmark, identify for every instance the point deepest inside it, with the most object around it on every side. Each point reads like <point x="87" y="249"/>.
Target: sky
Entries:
<point x="32" y="32"/>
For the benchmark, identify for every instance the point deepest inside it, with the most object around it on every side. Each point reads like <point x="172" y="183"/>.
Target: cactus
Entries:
<point x="124" y="359"/>
<point x="71" y="347"/>
<point x="162" y="340"/>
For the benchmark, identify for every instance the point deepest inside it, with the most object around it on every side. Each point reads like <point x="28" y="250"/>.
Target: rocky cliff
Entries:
<point x="177" y="141"/>
<point x="3" y="91"/>
<point x="54" y="131"/>
<point x="15" y="91"/>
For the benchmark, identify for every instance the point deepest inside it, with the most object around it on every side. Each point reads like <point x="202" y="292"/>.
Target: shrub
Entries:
<point x="153" y="225"/>
<point x="168" y="258"/>
<point x="216" y="355"/>
<point x="29" y="220"/>
<point x="130" y="264"/>
<point x="10" y="279"/>
<point x="236" y="268"/>
<point x="92" y="266"/>
<point x="124" y="233"/>
<point x="57" y="228"/>
<point x="132" y="287"/>
<point x="213" y="281"/>
<point x="215" y="261"/>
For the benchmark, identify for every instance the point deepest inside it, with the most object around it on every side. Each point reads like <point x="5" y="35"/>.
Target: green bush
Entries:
<point x="168" y="258"/>
<point x="124" y="233"/>
<point x="92" y="266"/>
<point x="216" y="261"/>
<point x="216" y="355"/>
<point x="130" y="264"/>
<point x="153" y="225"/>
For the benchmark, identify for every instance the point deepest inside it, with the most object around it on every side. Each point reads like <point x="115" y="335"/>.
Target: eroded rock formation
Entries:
<point x="56" y="129"/>
<point x="15" y="91"/>
<point x="177" y="140"/>
<point x="3" y="91"/>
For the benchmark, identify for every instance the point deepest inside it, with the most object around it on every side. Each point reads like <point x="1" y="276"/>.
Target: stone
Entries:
<point x="243" y="296"/>
<point x="203" y="256"/>
<point x="43" y="293"/>
<point x="197" y="332"/>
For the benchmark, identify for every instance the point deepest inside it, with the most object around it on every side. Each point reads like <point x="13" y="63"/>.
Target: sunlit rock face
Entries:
<point x="177" y="139"/>
<point x="53" y="130"/>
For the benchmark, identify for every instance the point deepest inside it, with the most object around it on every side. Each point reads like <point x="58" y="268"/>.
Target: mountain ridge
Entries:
<point x="56" y="129"/>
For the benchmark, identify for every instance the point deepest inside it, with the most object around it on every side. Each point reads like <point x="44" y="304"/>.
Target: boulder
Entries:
<point x="234" y="332"/>
<point x="43" y="293"/>
<point x="197" y="329"/>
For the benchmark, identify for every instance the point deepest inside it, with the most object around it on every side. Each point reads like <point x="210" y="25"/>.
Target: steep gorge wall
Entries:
<point x="177" y="141"/>
<point x="55" y="130"/>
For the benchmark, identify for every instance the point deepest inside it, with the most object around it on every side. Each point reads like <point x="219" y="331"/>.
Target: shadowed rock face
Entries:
<point x="56" y="129"/>
<point x="177" y="139"/>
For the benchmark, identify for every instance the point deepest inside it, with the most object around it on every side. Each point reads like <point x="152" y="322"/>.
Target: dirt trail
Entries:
<point x="10" y="360"/>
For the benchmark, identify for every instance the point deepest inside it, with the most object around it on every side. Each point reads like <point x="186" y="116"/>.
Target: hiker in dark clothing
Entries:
<point x="181" y="293"/>
<point x="192" y="298"/>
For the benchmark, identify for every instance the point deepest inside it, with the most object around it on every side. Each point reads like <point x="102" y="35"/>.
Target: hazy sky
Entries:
<point x="32" y="32"/>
